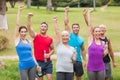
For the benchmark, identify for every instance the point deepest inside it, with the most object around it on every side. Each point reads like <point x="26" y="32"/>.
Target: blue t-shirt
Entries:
<point x="24" y="52"/>
<point x="76" y="42"/>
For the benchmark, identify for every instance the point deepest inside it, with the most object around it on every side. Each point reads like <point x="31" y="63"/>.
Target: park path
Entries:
<point x="54" y="56"/>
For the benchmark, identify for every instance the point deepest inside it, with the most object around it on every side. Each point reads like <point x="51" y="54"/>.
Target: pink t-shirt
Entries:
<point x="41" y="43"/>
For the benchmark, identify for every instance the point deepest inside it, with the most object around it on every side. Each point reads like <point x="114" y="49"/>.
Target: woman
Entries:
<point x="95" y="66"/>
<point x="27" y="66"/>
<point x="65" y="55"/>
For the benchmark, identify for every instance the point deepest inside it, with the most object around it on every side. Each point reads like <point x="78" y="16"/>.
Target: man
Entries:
<point x="43" y="48"/>
<point x="78" y="43"/>
<point x="106" y="59"/>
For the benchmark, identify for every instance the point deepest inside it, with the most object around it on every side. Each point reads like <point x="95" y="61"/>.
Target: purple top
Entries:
<point x="95" y="57"/>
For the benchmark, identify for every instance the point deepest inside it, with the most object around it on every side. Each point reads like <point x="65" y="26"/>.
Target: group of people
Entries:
<point x="70" y="50"/>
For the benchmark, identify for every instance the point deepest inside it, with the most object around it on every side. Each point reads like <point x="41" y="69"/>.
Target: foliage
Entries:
<point x="10" y="72"/>
<point x="3" y="42"/>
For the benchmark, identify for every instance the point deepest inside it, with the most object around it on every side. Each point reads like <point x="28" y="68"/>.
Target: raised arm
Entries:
<point x="66" y="20"/>
<point x="111" y="53"/>
<point x="31" y="32"/>
<point x="88" y="22"/>
<point x="88" y="19"/>
<point x="20" y="8"/>
<point x="57" y="32"/>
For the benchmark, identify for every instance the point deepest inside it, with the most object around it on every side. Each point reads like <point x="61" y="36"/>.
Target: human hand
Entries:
<point x="84" y="64"/>
<point x="38" y="68"/>
<point x="55" y="18"/>
<point x="67" y="9"/>
<point x="30" y="14"/>
<point x="84" y="11"/>
<point x="114" y="65"/>
<point x="20" y="7"/>
<point x="90" y="10"/>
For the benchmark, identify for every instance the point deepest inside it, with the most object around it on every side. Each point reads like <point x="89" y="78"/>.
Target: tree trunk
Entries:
<point x="49" y="5"/>
<point x="28" y="3"/>
<point x="12" y="4"/>
<point x="3" y="17"/>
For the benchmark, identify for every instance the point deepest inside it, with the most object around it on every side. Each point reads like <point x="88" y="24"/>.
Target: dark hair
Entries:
<point x="44" y="23"/>
<point x="21" y="27"/>
<point x="75" y="24"/>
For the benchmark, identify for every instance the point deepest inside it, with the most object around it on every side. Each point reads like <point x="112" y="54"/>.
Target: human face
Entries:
<point x="65" y="38"/>
<point x="102" y="31"/>
<point x="43" y="29"/>
<point x="23" y="32"/>
<point x="96" y="33"/>
<point x="75" y="29"/>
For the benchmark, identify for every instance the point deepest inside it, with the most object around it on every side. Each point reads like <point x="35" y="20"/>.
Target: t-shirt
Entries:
<point x="76" y="42"/>
<point x="64" y="58"/>
<point x="41" y="44"/>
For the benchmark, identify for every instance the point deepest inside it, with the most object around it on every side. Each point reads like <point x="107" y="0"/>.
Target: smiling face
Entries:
<point x="22" y="32"/>
<point x="96" y="32"/>
<point x="43" y="28"/>
<point x="65" y="37"/>
<point x="102" y="30"/>
<point x="76" y="28"/>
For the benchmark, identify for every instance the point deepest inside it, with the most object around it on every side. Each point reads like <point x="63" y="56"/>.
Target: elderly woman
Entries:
<point x="66" y="55"/>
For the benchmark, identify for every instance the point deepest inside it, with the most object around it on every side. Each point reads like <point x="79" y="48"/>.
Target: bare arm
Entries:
<point x="66" y="20"/>
<point x="83" y="54"/>
<point x="57" y="32"/>
<point x="89" y="26"/>
<point x="31" y="32"/>
<point x="20" y="8"/>
<point x="51" y="51"/>
<point x="111" y="53"/>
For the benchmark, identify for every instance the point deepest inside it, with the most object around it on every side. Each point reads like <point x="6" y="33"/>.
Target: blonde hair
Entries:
<point x="64" y="32"/>
<point x="102" y="26"/>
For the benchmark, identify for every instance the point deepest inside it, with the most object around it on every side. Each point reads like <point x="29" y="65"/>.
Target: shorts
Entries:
<point x="46" y="68"/>
<point x="108" y="70"/>
<point x="78" y="69"/>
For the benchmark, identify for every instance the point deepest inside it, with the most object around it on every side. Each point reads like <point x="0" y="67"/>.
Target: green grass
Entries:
<point x="109" y="17"/>
<point x="11" y="71"/>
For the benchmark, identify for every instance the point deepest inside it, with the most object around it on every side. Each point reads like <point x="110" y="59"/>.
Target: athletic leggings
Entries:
<point x="96" y="75"/>
<point x="28" y="74"/>
<point x="64" y="76"/>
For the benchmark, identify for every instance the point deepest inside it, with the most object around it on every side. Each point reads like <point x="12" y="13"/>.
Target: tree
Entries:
<point x="49" y="5"/>
<point x="28" y="3"/>
<point x="3" y="17"/>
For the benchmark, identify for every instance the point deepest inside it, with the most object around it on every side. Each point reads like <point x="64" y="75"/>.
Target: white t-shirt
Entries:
<point x="64" y="58"/>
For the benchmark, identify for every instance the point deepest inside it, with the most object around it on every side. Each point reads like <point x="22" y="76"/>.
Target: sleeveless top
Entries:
<point x="24" y="52"/>
<point x="106" y="59"/>
<point x="95" y="57"/>
<point x="41" y="43"/>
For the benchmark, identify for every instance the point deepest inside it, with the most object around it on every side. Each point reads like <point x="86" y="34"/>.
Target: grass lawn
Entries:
<point x="110" y="17"/>
<point x="11" y="71"/>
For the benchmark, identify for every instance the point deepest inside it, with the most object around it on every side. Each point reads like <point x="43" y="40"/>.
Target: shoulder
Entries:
<point x="81" y="39"/>
<point x="17" y="40"/>
<point x="108" y="39"/>
<point x="50" y="38"/>
<point x="59" y="45"/>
